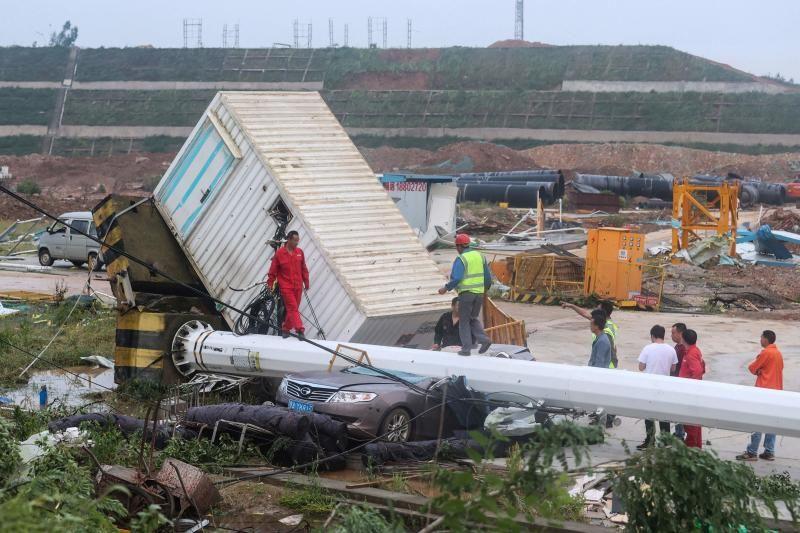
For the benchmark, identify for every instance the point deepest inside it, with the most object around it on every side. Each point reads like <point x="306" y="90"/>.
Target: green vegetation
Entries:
<point x="66" y="37"/>
<point x="88" y="332"/>
<point x="136" y="108"/>
<point x="446" y="68"/>
<point x="746" y="113"/>
<point x="531" y="488"/>
<point x="310" y="499"/>
<point x="58" y="495"/>
<point x="19" y="63"/>
<point x="26" y="106"/>
<point x="363" y="519"/>
<point x="674" y="488"/>
<point x="28" y="187"/>
<point x="107" y="146"/>
<point x="20" y="145"/>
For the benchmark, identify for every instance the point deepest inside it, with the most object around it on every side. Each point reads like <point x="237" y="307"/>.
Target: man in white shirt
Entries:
<point x="656" y="358"/>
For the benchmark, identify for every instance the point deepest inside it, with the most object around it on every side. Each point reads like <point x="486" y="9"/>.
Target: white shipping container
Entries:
<point x="371" y="279"/>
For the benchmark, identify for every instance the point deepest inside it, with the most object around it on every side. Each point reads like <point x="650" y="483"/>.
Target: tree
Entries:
<point x="66" y="37"/>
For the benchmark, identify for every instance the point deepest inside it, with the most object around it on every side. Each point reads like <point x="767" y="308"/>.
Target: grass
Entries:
<point x="88" y="332"/>
<point x="20" y="144"/>
<point x="18" y="63"/>
<point x="541" y="68"/>
<point x="310" y="499"/>
<point x="26" y="106"/>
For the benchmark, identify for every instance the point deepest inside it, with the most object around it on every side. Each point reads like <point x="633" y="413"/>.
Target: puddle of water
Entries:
<point x="62" y="386"/>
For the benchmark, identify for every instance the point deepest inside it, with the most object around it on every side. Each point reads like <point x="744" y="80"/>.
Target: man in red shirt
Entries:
<point x="768" y="369"/>
<point x="692" y="367"/>
<point x="680" y="350"/>
<point x="289" y="269"/>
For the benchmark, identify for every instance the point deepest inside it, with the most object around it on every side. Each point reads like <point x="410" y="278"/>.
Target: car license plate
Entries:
<point x="301" y="406"/>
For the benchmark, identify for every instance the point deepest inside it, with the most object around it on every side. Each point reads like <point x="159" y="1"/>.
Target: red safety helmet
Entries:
<point x="463" y="238"/>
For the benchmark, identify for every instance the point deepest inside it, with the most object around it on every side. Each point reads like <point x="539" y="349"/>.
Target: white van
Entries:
<point x="59" y="241"/>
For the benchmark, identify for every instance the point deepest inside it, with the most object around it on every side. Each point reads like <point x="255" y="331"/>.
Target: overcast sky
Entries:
<point x="759" y="36"/>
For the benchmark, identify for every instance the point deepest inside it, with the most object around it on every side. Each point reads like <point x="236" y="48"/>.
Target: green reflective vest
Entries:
<point x="473" y="272"/>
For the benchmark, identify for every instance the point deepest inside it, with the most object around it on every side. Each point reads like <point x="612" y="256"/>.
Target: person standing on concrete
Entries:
<point x="601" y="345"/>
<point x="768" y="369"/>
<point x="680" y="350"/>
<point x="656" y="358"/>
<point x="470" y="276"/>
<point x="289" y="269"/>
<point x="692" y="367"/>
<point x="611" y="328"/>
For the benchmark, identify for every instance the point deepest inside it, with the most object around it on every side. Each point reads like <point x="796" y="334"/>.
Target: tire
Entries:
<point x="76" y="263"/>
<point x="396" y="426"/>
<point x="45" y="259"/>
<point x="93" y="263"/>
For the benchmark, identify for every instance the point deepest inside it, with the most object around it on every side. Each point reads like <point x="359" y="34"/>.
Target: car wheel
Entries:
<point x="93" y="263"/>
<point x="396" y="426"/>
<point x="45" y="259"/>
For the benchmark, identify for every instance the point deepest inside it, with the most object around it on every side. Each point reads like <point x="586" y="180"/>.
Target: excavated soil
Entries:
<point x="387" y="159"/>
<point x="453" y="158"/>
<point x="78" y="183"/>
<point x="653" y="158"/>
<point x="387" y="81"/>
<point x="517" y="43"/>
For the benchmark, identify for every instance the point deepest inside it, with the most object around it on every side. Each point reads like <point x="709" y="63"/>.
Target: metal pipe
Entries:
<point x="735" y="407"/>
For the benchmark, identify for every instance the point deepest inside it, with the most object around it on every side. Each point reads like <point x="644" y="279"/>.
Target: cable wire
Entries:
<point x="204" y="294"/>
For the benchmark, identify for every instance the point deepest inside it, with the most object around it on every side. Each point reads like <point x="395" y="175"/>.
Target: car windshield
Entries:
<point x="405" y="376"/>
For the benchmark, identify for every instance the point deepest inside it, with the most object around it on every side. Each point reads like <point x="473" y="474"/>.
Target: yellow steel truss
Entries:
<point x="695" y="210"/>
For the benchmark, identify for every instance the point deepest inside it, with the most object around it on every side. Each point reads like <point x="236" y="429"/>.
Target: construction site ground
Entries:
<point x="728" y="345"/>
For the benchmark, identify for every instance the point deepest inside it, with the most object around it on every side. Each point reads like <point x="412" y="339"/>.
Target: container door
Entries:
<point x="57" y="240"/>
<point x="76" y="243"/>
<point x="190" y="186"/>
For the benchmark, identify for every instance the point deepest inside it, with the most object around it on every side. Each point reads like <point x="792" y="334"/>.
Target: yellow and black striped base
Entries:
<point x="144" y="340"/>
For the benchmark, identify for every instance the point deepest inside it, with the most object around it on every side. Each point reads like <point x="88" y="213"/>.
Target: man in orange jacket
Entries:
<point x="768" y="369"/>
<point x="289" y="269"/>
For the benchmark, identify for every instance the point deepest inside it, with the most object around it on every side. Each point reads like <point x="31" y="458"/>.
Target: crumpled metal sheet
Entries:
<point x="200" y="492"/>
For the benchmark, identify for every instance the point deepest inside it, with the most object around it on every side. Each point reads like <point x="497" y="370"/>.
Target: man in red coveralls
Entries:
<point x="693" y="367"/>
<point x="289" y="269"/>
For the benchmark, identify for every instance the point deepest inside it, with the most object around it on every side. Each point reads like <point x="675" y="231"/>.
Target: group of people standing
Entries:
<point x="470" y="277"/>
<point x="683" y="359"/>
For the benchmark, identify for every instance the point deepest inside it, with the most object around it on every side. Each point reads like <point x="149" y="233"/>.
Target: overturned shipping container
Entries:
<point x="256" y="158"/>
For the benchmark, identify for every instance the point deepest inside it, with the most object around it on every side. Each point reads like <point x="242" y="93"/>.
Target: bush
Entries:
<point x="675" y="488"/>
<point x="532" y="486"/>
<point x="28" y="187"/>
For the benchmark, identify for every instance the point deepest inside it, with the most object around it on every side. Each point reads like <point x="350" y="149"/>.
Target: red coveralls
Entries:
<point x="693" y="367"/>
<point x="289" y="269"/>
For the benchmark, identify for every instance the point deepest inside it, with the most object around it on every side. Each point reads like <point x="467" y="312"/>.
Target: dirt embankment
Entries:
<point x="453" y="158"/>
<point x="610" y="159"/>
<point x="78" y="183"/>
<point x="653" y="158"/>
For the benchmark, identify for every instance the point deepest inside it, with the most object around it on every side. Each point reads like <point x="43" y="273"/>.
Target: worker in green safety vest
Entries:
<point x="470" y="277"/>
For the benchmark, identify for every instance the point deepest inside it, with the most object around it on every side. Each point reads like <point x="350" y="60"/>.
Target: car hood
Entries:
<point x="346" y="379"/>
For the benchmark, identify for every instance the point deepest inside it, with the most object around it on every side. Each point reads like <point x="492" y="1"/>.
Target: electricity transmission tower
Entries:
<point x="330" y="33"/>
<point x="346" y="35"/>
<point x="408" y="36"/>
<point x="230" y="36"/>
<point x="301" y="34"/>
<point x="383" y="25"/>
<point x="193" y="33"/>
<point x="519" y="21"/>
